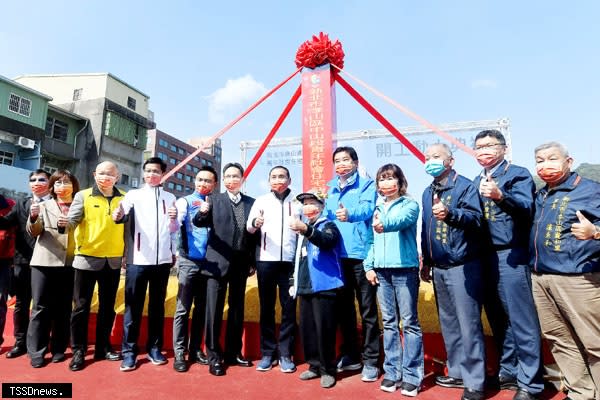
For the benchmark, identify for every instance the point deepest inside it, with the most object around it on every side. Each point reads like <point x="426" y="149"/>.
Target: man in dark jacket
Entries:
<point x="451" y="245"/>
<point x="565" y="259"/>
<point x="21" y="273"/>
<point x="506" y="192"/>
<point x="230" y="260"/>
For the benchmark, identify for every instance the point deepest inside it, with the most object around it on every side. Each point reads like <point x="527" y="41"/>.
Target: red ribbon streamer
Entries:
<point x="220" y="133"/>
<point x="361" y="100"/>
<point x="411" y="114"/>
<point x="273" y="131"/>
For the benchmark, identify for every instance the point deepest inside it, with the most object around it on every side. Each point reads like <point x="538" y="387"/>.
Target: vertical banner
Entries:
<point x="318" y="126"/>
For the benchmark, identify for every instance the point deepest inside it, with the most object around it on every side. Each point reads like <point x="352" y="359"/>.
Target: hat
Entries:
<point x="312" y="194"/>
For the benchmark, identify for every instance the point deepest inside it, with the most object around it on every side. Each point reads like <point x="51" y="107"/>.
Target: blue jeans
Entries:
<point x="398" y="294"/>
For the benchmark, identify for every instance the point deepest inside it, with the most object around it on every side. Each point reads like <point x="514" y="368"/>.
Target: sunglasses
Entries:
<point x="38" y="180"/>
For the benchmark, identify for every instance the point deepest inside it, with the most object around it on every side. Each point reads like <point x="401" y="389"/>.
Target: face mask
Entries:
<point x="310" y="211"/>
<point x="487" y="159"/>
<point x="344" y="169"/>
<point x="40" y="189"/>
<point x="233" y="186"/>
<point x="204" y="190"/>
<point x="64" y="191"/>
<point x="435" y="167"/>
<point x="388" y="187"/>
<point x="152" y="180"/>
<point x="551" y="171"/>
<point x="278" y="187"/>
<point x="105" y="181"/>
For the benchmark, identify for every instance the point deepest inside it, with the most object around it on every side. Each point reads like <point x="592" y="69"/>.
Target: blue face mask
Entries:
<point x="435" y="167"/>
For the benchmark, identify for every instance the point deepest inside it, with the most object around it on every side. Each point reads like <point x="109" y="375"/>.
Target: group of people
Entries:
<point x="530" y="259"/>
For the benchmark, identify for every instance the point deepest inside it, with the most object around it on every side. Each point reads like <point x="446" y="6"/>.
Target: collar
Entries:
<point x="96" y="191"/>
<point x="234" y="197"/>
<point x="283" y="195"/>
<point x="437" y="187"/>
<point x="40" y="199"/>
<point x="569" y="184"/>
<point x="496" y="168"/>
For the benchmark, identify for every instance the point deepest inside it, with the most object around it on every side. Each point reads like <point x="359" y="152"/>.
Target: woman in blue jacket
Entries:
<point x="393" y="264"/>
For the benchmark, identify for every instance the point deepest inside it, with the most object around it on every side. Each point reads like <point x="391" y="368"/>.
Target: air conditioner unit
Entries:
<point x="134" y="182"/>
<point x="25" y="142"/>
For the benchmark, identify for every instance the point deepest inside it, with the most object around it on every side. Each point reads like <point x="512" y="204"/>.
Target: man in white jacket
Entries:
<point x="150" y="255"/>
<point x="272" y="214"/>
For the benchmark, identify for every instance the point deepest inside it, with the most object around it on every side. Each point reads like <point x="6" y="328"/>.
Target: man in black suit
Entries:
<point x="230" y="257"/>
<point x="21" y="273"/>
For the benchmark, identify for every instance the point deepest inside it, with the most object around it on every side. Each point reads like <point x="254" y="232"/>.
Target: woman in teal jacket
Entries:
<point x="393" y="264"/>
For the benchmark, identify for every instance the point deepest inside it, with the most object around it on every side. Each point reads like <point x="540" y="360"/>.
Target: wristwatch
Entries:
<point x="597" y="233"/>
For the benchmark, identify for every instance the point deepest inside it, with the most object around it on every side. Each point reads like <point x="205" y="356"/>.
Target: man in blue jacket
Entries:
<point x="506" y="192"/>
<point x="565" y="259"/>
<point x="350" y="204"/>
<point x="451" y="245"/>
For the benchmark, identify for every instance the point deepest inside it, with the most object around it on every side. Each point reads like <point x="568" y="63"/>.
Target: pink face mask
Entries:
<point x="343" y="169"/>
<point x="310" y="211"/>
<point x="551" y="171"/>
<point x="233" y="186"/>
<point x="105" y="181"/>
<point x="152" y="180"/>
<point x="388" y="187"/>
<point x="487" y="158"/>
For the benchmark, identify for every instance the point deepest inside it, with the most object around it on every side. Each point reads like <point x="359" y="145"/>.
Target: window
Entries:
<point x="163" y="143"/>
<point x="77" y="94"/>
<point x="188" y="189"/>
<point x="174" y="148"/>
<point x="19" y="105"/>
<point x="57" y="129"/>
<point x="162" y="156"/>
<point x="178" y="187"/>
<point x="124" y="179"/>
<point x="179" y="175"/>
<point x="7" y="158"/>
<point x="130" y="102"/>
<point x="171" y="185"/>
<point x="181" y="151"/>
<point x="209" y="163"/>
<point x="195" y="169"/>
<point x="188" y="178"/>
<point x="203" y="161"/>
<point x="188" y="167"/>
<point x="172" y="160"/>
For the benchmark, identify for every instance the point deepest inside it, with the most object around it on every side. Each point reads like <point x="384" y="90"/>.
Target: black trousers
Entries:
<point x="357" y="286"/>
<point x="273" y="275"/>
<point x="318" y="329"/>
<point x="52" y="294"/>
<point x="83" y="290"/>
<point x="215" y="301"/>
<point x="236" y="279"/>
<point x="21" y="285"/>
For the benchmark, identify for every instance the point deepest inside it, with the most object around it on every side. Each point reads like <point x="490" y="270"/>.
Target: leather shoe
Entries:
<point x="199" y="357"/>
<point x="507" y="383"/>
<point x="449" y="382"/>
<point x="472" y="394"/>
<point x="107" y="355"/>
<point x="180" y="365"/>
<point x="16" y="351"/>
<point x="58" y="357"/>
<point x="216" y="369"/>
<point x="77" y="361"/>
<point x="37" y="362"/>
<point x="523" y="394"/>
<point x="238" y="360"/>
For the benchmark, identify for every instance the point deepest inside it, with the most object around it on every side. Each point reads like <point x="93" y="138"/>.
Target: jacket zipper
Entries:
<point x="156" y="195"/>
<point x="537" y="228"/>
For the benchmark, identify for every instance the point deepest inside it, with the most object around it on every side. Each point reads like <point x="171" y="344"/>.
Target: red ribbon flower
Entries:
<point x="318" y="51"/>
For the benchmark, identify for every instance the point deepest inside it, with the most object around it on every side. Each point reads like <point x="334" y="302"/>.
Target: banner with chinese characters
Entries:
<point x="318" y="126"/>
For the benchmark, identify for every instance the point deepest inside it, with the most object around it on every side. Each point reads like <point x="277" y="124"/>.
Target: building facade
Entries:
<point x="173" y="151"/>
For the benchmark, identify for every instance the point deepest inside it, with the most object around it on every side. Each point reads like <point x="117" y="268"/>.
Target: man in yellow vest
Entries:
<point x="99" y="245"/>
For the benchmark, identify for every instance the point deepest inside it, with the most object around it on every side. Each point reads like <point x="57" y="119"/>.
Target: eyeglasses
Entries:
<point x="488" y="146"/>
<point x="63" y="183"/>
<point x="153" y="171"/>
<point x="38" y="180"/>
<point x="232" y="177"/>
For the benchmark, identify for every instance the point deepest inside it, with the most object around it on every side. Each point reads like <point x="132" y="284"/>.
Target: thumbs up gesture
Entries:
<point x="341" y="213"/>
<point x="297" y="225"/>
<point x="172" y="211"/>
<point x="34" y="211"/>
<point x="489" y="188"/>
<point x="584" y="229"/>
<point x="260" y="220"/>
<point x="205" y="206"/>
<point x="119" y="213"/>
<point x="440" y="211"/>
<point x="377" y="224"/>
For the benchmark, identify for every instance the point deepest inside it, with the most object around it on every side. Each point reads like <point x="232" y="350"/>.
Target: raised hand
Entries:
<point x="489" y="188"/>
<point x="584" y="229"/>
<point x="377" y="224"/>
<point x="298" y="226"/>
<point x="172" y="212"/>
<point x="260" y="220"/>
<point x="119" y="213"/>
<point x="341" y="213"/>
<point x="34" y="211"/>
<point x="440" y="211"/>
<point x="205" y="206"/>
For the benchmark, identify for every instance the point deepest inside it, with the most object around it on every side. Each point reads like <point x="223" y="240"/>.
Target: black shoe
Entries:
<point x="523" y="394"/>
<point x="108" y="354"/>
<point x="78" y="361"/>
<point x="16" y="351"/>
<point x="37" y="362"/>
<point x="238" y="360"/>
<point x="472" y="394"/>
<point x="507" y="383"/>
<point x="199" y="357"/>
<point x="58" y="357"/>
<point x="449" y="382"/>
<point x="180" y="365"/>
<point x="216" y="369"/>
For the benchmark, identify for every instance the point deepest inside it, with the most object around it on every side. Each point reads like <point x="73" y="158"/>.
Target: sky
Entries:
<point x="203" y="63"/>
